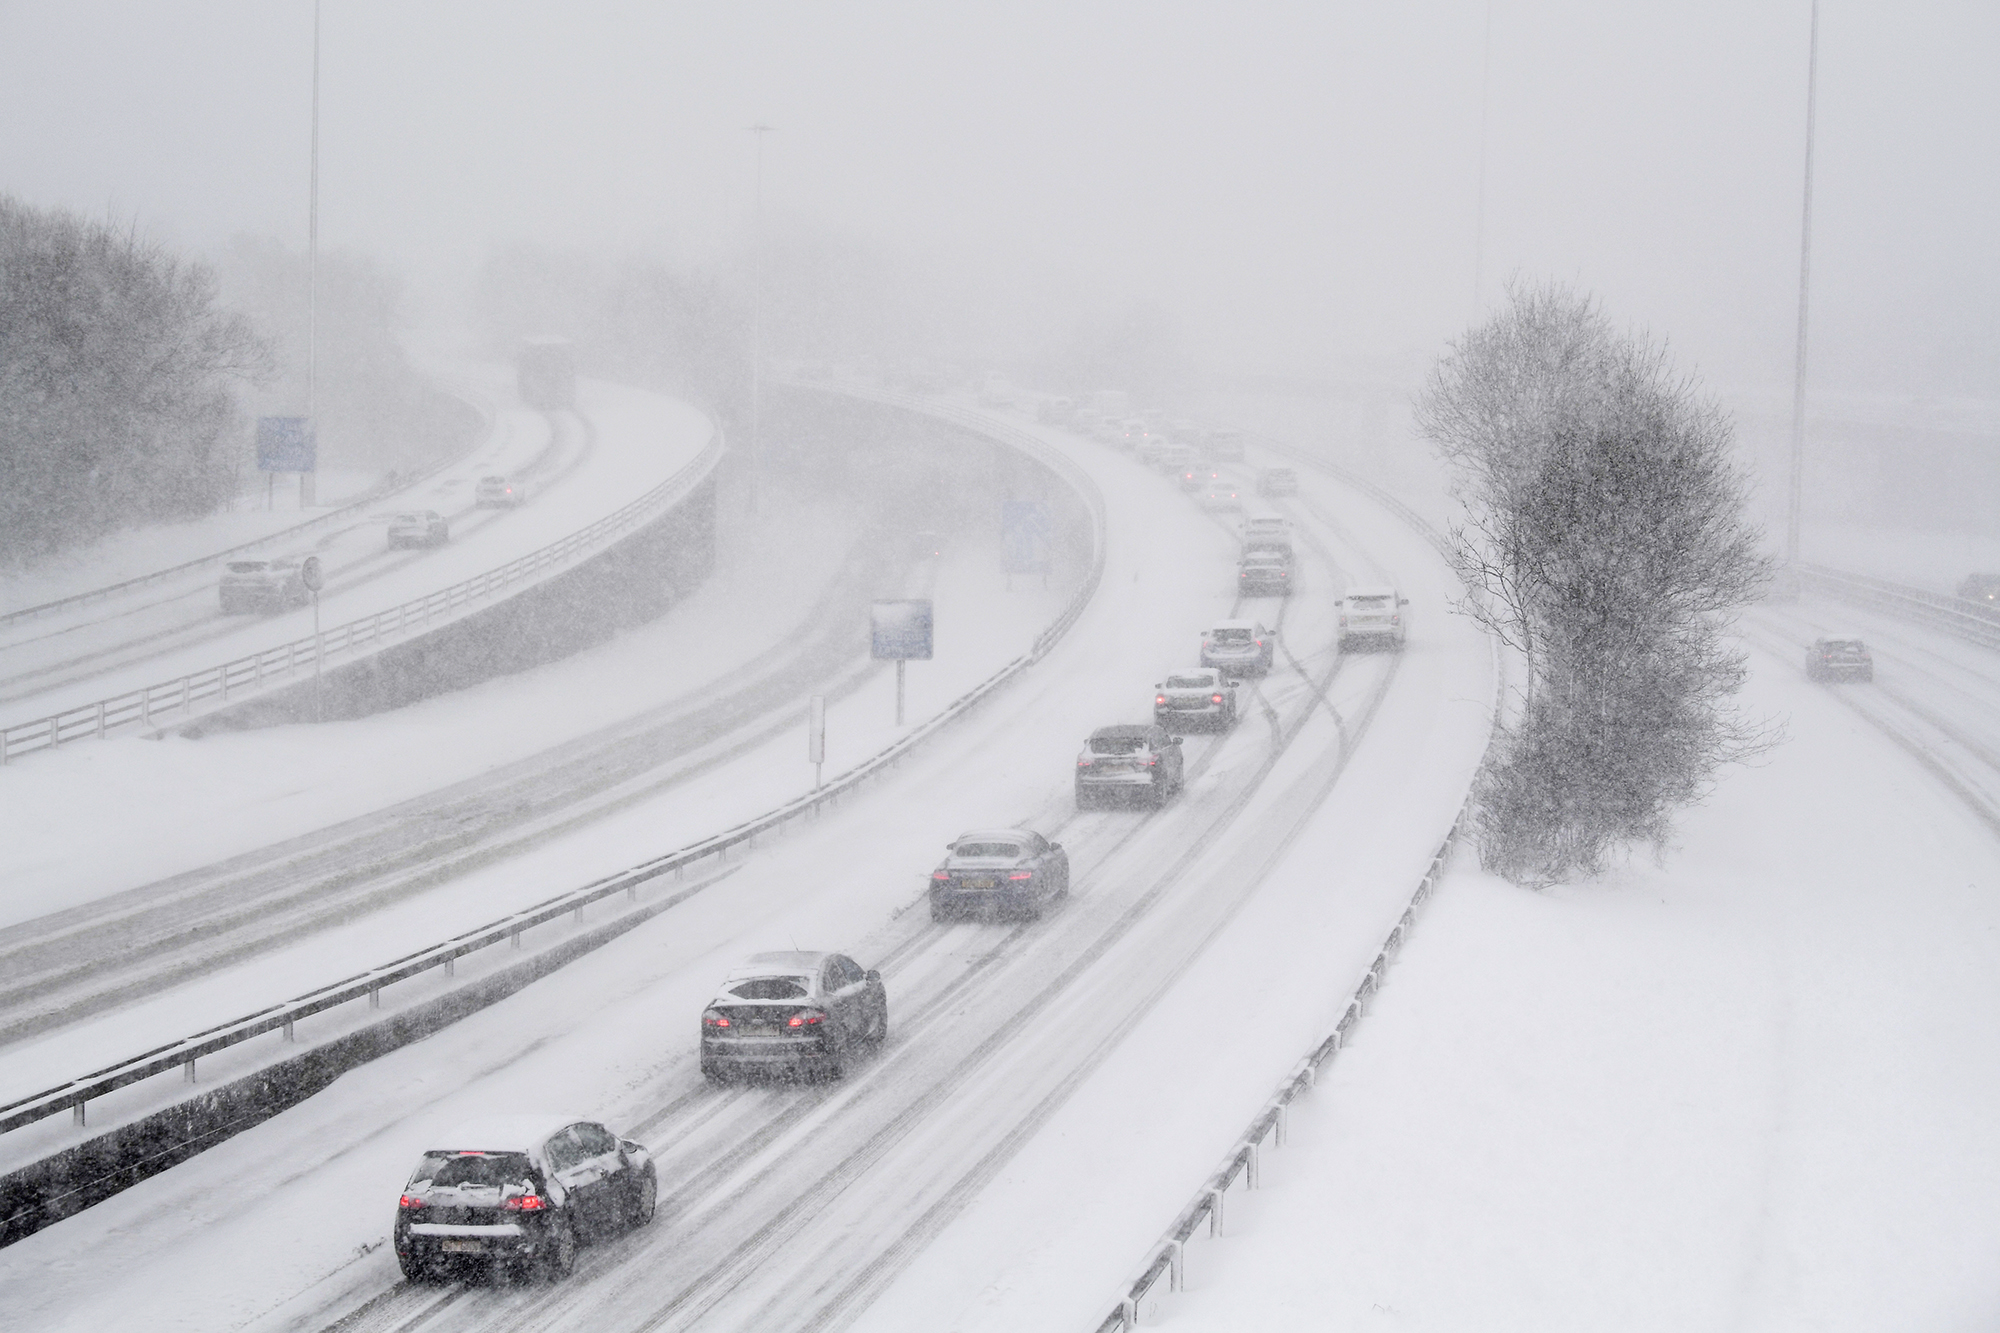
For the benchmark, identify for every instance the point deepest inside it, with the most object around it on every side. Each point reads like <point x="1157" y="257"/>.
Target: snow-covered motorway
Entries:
<point x="573" y="473"/>
<point x="798" y="1206"/>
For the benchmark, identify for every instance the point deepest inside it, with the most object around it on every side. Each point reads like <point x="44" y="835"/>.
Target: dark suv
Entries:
<point x="521" y="1191"/>
<point x="1839" y="659"/>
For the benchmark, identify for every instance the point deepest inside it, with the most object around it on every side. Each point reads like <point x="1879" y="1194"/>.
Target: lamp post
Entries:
<point x="759" y="130"/>
<point x="306" y="496"/>
<point x="1797" y="493"/>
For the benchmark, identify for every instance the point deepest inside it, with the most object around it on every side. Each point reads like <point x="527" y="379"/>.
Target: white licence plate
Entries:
<point x="462" y="1246"/>
<point x="979" y="884"/>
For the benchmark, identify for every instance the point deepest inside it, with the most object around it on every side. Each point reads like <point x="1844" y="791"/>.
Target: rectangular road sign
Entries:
<point x="1025" y="528"/>
<point x="901" y="630"/>
<point x="287" y="444"/>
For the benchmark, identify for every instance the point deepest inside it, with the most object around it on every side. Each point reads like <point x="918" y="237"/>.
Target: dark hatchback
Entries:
<point x="1015" y="872"/>
<point x="793" y="1013"/>
<point x="1839" y="659"/>
<point x="520" y="1193"/>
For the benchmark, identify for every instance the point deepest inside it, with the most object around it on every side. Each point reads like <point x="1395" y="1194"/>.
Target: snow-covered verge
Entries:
<point x="1936" y="561"/>
<point x="1750" y="1088"/>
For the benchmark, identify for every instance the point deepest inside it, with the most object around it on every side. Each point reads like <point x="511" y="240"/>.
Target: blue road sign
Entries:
<point x="1025" y="529"/>
<point x="286" y="444"/>
<point x="901" y="630"/>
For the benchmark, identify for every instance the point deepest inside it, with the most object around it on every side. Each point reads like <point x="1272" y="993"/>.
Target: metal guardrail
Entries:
<point x="77" y="1093"/>
<point x="218" y="684"/>
<point x="368" y="497"/>
<point x="1954" y="615"/>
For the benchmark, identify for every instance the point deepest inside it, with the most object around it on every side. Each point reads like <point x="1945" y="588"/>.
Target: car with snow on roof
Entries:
<point x="520" y="1192"/>
<point x="793" y="1013"/>
<point x="1009" y="871"/>
<point x="1839" y="657"/>
<point x="1372" y="617"/>
<point x="1195" y="696"/>
<point x="277" y="584"/>
<point x="421" y="527"/>
<point x="498" y="493"/>
<point x="1264" y="573"/>
<point x="1238" y="647"/>
<point x="1129" y="762"/>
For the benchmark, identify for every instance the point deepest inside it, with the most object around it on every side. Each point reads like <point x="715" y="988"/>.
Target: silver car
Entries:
<point x="1014" y="871"/>
<point x="1197" y="696"/>
<point x="1238" y="647"/>
<point x="793" y="1013"/>
<point x="263" y="585"/>
<point x="1129" y="762"/>
<point x="423" y="527"/>
<point x="498" y="493"/>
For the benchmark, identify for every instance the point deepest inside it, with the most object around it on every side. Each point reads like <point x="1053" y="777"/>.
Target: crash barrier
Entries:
<point x="184" y="695"/>
<point x="1954" y="615"/>
<point x="385" y="487"/>
<point x="75" y="1095"/>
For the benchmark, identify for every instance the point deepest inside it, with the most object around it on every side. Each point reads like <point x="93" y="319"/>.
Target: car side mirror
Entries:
<point x="1175" y="742"/>
<point x="1402" y="601"/>
<point x="1055" y="846"/>
<point x="873" y="975"/>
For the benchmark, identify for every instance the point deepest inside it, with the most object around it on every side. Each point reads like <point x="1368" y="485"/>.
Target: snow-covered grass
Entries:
<point x="1934" y="560"/>
<point x="1751" y="1087"/>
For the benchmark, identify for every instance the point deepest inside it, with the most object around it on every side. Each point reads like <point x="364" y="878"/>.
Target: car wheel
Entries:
<point x="1868" y="675"/>
<point x="881" y="1032"/>
<point x="939" y="912"/>
<point x="713" y="1072"/>
<point x="1082" y="799"/>
<point x="643" y="1201"/>
<point x="559" y="1259"/>
<point x="414" y="1268"/>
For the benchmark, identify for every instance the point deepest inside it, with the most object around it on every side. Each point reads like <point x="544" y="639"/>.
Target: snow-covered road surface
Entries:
<point x="992" y="1026"/>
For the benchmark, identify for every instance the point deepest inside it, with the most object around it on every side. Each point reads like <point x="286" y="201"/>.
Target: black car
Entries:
<point x="793" y="1013"/>
<point x="1983" y="590"/>
<point x="1013" y="871"/>
<point x="521" y="1192"/>
<point x="1839" y="659"/>
<point x="1129" y="762"/>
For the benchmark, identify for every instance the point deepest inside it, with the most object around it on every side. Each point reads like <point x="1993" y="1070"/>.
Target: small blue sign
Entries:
<point x="286" y="444"/>
<point x="901" y="630"/>
<point x="1025" y="529"/>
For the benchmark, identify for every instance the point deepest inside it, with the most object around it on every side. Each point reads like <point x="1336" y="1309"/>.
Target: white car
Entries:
<point x="424" y="527"/>
<point x="1372" y="616"/>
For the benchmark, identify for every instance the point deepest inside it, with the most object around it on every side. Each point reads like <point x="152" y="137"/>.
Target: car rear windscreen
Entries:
<point x="1117" y="744"/>
<point x="1369" y="603"/>
<point x="1006" y="850"/>
<point x="246" y="566"/>
<point x="1231" y="636"/>
<point x="472" y="1168"/>
<point x="1188" y="682"/>
<point x="771" y="988"/>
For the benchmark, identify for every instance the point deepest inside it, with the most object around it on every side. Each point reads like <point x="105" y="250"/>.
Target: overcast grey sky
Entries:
<point x="1298" y="183"/>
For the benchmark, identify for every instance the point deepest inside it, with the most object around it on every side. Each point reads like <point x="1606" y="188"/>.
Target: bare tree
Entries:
<point x="1605" y="537"/>
<point x="115" y="371"/>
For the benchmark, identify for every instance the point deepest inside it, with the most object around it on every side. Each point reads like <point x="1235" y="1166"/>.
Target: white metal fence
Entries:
<point x="182" y="1054"/>
<point x="217" y="685"/>
<point x="1966" y="620"/>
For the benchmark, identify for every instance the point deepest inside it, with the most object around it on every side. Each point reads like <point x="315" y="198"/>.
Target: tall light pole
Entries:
<point x="1479" y="213"/>
<point x="757" y="322"/>
<point x="1805" y="280"/>
<point x="306" y="496"/>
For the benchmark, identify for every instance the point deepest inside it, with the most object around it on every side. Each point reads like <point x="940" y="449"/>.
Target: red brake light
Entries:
<point x="525" y="1203"/>
<point x="410" y="1201"/>
<point x="803" y="1018"/>
<point x="1151" y="760"/>
<point x="715" y="1020"/>
<point x="1159" y="698"/>
<point x="1215" y="698"/>
<point x="1083" y="761"/>
<point x="1022" y="874"/>
<point x="940" y="874"/>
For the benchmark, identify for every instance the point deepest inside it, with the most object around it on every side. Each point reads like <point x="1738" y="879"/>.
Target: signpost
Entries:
<point x="1025" y="529"/>
<point x="287" y="444"/>
<point x="816" y="735"/>
<point x="309" y="574"/>
<point x="900" y="630"/>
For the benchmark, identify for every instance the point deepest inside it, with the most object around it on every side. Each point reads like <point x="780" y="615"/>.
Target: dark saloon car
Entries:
<point x="520" y="1192"/>
<point x="1199" y="696"/>
<point x="1983" y="590"/>
<point x="1128" y="762"/>
<point x="1842" y="658"/>
<point x="793" y="1013"/>
<point x="1011" y="871"/>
